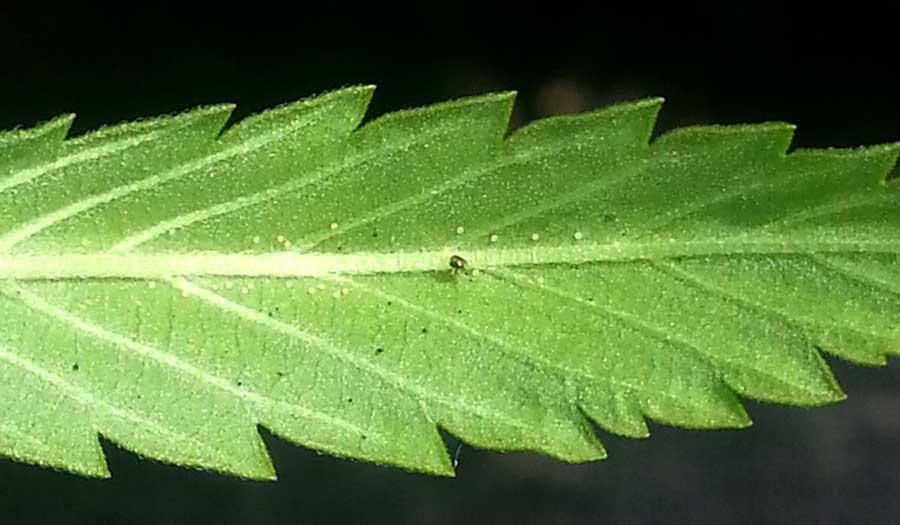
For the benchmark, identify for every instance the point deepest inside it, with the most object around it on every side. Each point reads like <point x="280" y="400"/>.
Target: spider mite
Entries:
<point x="457" y="263"/>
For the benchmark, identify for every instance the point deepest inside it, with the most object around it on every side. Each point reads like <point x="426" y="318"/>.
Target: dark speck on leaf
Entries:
<point x="424" y="330"/>
<point x="240" y="383"/>
<point x="457" y="263"/>
<point x="349" y="399"/>
<point x="374" y="234"/>
<point x="389" y="303"/>
<point x="279" y="373"/>
<point x="364" y="436"/>
<point x="379" y="350"/>
<point x="75" y="367"/>
<point x="459" y="311"/>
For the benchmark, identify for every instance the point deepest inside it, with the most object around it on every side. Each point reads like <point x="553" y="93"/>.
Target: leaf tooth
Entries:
<point x="390" y="377"/>
<point x="499" y="104"/>
<point x="171" y="444"/>
<point x="181" y="170"/>
<point x="572" y="422"/>
<point x="714" y="405"/>
<point x="344" y="109"/>
<point x="76" y="451"/>
<point x="699" y="401"/>
<point x="627" y="125"/>
<point x="20" y="149"/>
<point x="817" y="386"/>
<point x="769" y="139"/>
<point x="52" y="131"/>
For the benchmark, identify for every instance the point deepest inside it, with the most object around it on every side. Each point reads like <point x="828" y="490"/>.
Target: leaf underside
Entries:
<point x="171" y="285"/>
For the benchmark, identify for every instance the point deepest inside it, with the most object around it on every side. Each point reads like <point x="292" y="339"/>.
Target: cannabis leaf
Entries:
<point x="171" y="286"/>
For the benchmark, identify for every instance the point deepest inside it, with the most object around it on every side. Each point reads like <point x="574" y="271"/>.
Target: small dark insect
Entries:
<point x="457" y="263"/>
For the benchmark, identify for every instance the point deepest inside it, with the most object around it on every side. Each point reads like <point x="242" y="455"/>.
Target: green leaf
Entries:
<point x="171" y="286"/>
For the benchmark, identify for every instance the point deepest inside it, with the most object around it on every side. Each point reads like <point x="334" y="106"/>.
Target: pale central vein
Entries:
<point x="291" y="264"/>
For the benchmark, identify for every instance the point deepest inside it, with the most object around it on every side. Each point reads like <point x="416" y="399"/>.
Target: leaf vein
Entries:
<point x="797" y="321"/>
<point x="828" y="208"/>
<point x="378" y="155"/>
<point x="90" y="401"/>
<point x="465" y="177"/>
<point x="858" y="275"/>
<point x="323" y="344"/>
<point x="26" y="175"/>
<point x="506" y="348"/>
<point x="39" y="224"/>
<point x="39" y="304"/>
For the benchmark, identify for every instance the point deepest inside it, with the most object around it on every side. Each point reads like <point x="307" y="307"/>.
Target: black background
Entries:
<point x="831" y="71"/>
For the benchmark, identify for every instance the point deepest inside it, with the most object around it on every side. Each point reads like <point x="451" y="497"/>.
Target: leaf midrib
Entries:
<point x="292" y="264"/>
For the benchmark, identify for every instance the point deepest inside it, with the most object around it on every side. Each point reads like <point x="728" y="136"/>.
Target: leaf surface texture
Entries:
<point x="171" y="283"/>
